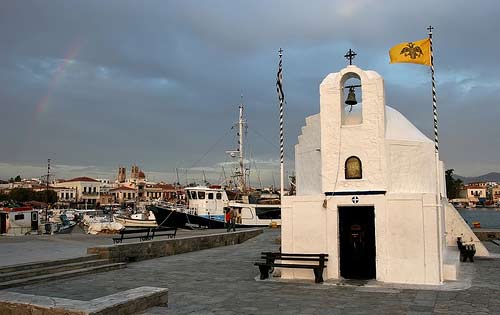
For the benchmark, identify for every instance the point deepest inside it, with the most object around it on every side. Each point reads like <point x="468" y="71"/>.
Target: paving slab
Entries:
<point x="222" y="281"/>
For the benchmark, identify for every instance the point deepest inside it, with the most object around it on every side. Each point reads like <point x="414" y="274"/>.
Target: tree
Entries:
<point x="25" y="194"/>
<point x="453" y="186"/>
<point x="18" y="178"/>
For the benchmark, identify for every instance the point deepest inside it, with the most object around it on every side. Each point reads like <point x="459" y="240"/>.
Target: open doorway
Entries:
<point x="357" y="242"/>
<point x="3" y="223"/>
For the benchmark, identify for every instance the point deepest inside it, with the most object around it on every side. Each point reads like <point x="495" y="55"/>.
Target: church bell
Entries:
<point x="351" y="97"/>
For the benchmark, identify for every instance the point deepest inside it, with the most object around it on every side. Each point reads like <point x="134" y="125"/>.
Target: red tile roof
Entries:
<point x="474" y="187"/>
<point x="122" y="188"/>
<point x="164" y="186"/>
<point x="82" y="179"/>
<point x="17" y="209"/>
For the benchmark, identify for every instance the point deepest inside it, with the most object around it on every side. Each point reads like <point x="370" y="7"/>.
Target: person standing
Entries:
<point x="227" y="217"/>
<point x="232" y="220"/>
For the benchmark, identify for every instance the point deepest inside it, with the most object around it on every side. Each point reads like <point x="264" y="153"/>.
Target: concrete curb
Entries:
<point x="136" y="251"/>
<point x="124" y="303"/>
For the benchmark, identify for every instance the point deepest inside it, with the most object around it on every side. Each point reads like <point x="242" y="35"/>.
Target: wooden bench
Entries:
<point x="169" y="232"/>
<point x="145" y="234"/>
<point x="466" y="250"/>
<point x="316" y="262"/>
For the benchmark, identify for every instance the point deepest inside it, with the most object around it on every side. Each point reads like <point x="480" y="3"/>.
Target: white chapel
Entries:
<point x="370" y="191"/>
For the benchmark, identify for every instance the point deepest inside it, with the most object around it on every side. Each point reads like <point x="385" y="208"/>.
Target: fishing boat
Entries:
<point x="206" y="205"/>
<point x="206" y="208"/>
<point x="137" y="220"/>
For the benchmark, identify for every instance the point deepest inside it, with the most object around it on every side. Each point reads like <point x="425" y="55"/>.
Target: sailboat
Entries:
<point x="206" y="205"/>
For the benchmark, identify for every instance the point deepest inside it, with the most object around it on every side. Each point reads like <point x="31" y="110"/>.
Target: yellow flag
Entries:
<point x="412" y="52"/>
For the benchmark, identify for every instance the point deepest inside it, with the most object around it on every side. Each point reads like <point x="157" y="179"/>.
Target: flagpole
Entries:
<point x="281" y="96"/>
<point x="436" y="150"/>
<point x="434" y="101"/>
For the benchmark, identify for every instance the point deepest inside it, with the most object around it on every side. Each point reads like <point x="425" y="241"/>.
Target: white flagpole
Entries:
<point x="281" y="96"/>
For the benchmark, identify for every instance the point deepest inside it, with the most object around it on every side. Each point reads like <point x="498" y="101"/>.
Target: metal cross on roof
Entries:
<point x="350" y="55"/>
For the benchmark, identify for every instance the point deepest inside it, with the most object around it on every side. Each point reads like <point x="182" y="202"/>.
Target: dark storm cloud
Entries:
<point x="158" y="82"/>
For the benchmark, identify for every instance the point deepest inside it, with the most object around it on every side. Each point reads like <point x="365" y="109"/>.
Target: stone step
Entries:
<point x="61" y="275"/>
<point x="156" y="310"/>
<point x="47" y="263"/>
<point x="32" y="272"/>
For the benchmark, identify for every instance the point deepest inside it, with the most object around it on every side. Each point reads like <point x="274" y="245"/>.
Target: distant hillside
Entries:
<point x="490" y="177"/>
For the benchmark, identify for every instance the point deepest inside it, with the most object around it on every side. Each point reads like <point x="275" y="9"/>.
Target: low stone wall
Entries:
<point x="124" y="303"/>
<point x="130" y="252"/>
<point x="486" y="235"/>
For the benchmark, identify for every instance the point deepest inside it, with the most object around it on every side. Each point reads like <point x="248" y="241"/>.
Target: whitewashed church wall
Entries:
<point x="412" y="242"/>
<point x="330" y="125"/>
<point x="406" y="162"/>
<point x="369" y="151"/>
<point x="457" y="227"/>
<point x="304" y="225"/>
<point x="442" y="178"/>
<point x="308" y="158"/>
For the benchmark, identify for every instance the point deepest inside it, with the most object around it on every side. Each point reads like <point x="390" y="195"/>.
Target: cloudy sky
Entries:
<point x="97" y="84"/>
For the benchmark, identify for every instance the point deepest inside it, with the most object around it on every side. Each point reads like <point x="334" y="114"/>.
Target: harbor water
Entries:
<point x="488" y="217"/>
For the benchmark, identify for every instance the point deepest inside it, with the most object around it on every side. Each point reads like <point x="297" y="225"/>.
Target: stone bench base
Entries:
<point x="126" y="302"/>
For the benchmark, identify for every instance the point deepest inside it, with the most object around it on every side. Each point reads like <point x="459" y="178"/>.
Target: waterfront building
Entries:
<point x="476" y="193"/>
<point x="124" y="194"/>
<point x="495" y="194"/>
<point x="370" y="191"/>
<point x="106" y="199"/>
<point x="153" y="192"/>
<point x="65" y="195"/>
<point x="87" y="189"/>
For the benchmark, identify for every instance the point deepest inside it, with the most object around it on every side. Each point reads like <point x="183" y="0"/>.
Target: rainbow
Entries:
<point x="71" y="53"/>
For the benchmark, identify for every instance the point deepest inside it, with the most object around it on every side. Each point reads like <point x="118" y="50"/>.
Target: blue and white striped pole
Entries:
<point x="281" y="96"/>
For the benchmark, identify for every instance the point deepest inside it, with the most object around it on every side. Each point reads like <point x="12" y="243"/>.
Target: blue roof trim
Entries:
<point x="349" y="193"/>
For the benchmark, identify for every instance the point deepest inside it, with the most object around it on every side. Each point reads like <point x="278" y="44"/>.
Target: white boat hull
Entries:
<point x="127" y="222"/>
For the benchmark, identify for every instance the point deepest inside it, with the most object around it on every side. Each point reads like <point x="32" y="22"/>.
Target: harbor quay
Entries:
<point x="224" y="280"/>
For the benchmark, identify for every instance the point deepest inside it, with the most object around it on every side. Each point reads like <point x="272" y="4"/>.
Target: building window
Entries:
<point x="353" y="169"/>
<point x="218" y="196"/>
<point x="19" y="216"/>
<point x="210" y="196"/>
<point x="201" y="195"/>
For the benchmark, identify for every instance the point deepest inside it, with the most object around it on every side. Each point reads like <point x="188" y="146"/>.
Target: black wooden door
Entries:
<point x="357" y="242"/>
<point x="34" y="221"/>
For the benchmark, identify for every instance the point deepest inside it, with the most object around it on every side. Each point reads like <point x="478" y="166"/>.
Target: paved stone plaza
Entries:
<point x="222" y="281"/>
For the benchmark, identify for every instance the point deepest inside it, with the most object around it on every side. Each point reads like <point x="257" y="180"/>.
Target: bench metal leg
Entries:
<point x="318" y="275"/>
<point x="264" y="272"/>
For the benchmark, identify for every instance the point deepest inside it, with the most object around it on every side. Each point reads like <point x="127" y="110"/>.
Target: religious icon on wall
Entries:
<point x="353" y="168"/>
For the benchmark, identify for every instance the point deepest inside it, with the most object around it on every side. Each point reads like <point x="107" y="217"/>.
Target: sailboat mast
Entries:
<point x="240" y="142"/>
<point x="47" y="191"/>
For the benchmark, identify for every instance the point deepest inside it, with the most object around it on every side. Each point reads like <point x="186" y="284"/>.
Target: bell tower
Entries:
<point x="352" y="139"/>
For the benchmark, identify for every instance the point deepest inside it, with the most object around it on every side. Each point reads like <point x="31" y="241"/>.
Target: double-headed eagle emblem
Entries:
<point x="411" y="51"/>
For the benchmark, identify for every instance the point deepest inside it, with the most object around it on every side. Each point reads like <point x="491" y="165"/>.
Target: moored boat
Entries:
<point x="137" y="220"/>
<point x="206" y="209"/>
